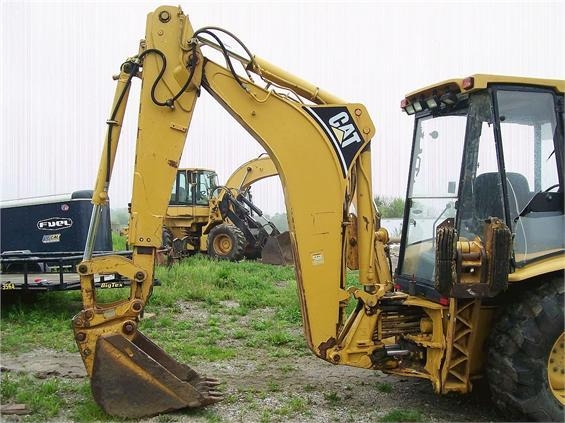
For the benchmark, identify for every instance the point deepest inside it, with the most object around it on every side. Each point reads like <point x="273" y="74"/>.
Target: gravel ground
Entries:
<point x="291" y="389"/>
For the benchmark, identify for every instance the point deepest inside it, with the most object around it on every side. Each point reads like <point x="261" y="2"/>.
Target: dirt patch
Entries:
<point x="277" y="382"/>
<point x="335" y="393"/>
<point x="276" y="385"/>
<point x="291" y="389"/>
<point x="44" y="363"/>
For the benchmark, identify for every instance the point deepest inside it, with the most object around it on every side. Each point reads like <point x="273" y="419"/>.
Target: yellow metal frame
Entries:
<point x="291" y="133"/>
<point x="250" y="172"/>
<point x="482" y="81"/>
<point x="537" y="268"/>
<point x="325" y="236"/>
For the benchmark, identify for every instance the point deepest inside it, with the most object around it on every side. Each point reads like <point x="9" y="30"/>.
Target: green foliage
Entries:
<point x="384" y="387"/>
<point x="273" y="386"/>
<point x="309" y="388"/>
<point x="119" y="216"/>
<point x="390" y="207"/>
<point x="118" y="242"/>
<point x="292" y="406"/>
<point x="29" y="321"/>
<point x="47" y="398"/>
<point x="251" y="284"/>
<point x="85" y="409"/>
<point x="279" y="220"/>
<point x="332" y="398"/>
<point x="203" y="310"/>
<point x="398" y="415"/>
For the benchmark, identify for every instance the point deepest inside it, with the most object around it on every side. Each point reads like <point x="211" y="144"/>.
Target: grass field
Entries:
<point x="239" y="322"/>
<point x="217" y="294"/>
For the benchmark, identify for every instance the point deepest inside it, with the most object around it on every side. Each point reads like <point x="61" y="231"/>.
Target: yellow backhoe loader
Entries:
<point x="221" y="221"/>
<point x="479" y="284"/>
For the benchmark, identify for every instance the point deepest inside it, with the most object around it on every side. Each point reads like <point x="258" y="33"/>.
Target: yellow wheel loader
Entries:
<point x="479" y="284"/>
<point x="221" y="221"/>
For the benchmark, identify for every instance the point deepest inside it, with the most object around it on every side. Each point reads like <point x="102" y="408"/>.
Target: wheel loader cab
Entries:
<point x="482" y="148"/>
<point x="221" y="221"/>
<point x="193" y="187"/>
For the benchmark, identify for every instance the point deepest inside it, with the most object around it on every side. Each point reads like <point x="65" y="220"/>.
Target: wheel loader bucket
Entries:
<point x="138" y="379"/>
<point x="278" y="250"/>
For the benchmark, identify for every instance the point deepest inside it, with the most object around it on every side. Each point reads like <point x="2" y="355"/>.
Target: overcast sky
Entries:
<point x="58" y="58"/>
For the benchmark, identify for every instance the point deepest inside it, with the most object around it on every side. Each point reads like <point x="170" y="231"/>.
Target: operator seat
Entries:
<point x="488" y="191"/>
<point x="519" y="194"/>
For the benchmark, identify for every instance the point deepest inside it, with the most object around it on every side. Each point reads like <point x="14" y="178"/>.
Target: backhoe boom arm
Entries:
<point x="337" y="134"/>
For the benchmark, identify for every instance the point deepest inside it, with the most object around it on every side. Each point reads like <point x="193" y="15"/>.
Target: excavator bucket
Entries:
<point x="137" y="379"/>
<point x="278" y="250"/>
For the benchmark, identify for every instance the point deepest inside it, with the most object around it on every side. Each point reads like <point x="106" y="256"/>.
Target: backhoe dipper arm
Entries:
<point x="316" y="191"/>
<point x="250" y="172"/>
<point x="322" y="155"/>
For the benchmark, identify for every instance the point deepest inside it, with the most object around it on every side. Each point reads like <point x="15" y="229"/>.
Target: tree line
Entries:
<point x="389" y="207"/>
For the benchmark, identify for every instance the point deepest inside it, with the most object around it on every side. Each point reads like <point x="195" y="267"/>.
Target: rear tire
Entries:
<point x="226" y="242"/>
<point x="524" y="354"/>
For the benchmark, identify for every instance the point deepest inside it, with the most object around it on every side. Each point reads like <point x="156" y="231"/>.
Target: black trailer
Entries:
<point x="42" y="239"/>
<point x="36" y="272"/>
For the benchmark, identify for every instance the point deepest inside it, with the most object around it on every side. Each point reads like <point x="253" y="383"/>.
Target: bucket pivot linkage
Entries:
<point x="131" y="376"/>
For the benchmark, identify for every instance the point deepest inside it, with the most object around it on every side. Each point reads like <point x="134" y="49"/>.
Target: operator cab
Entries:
<point x="486" y="146"/>
<point x="193" y="187"/>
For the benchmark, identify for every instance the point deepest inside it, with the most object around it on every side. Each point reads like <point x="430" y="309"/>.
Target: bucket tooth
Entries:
<point x="138" y="379"/>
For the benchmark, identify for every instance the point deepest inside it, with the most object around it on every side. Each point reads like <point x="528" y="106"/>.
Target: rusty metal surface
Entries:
<point x="473" y="269"/>
<point x="138" y="379"/>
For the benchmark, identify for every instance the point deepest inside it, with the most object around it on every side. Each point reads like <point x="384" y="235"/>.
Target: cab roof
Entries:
<point x="195" y="169"/>
<point x="481" y="81"/>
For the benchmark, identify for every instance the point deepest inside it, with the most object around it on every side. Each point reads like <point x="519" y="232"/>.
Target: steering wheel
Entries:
<point x="551" y="187"/>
